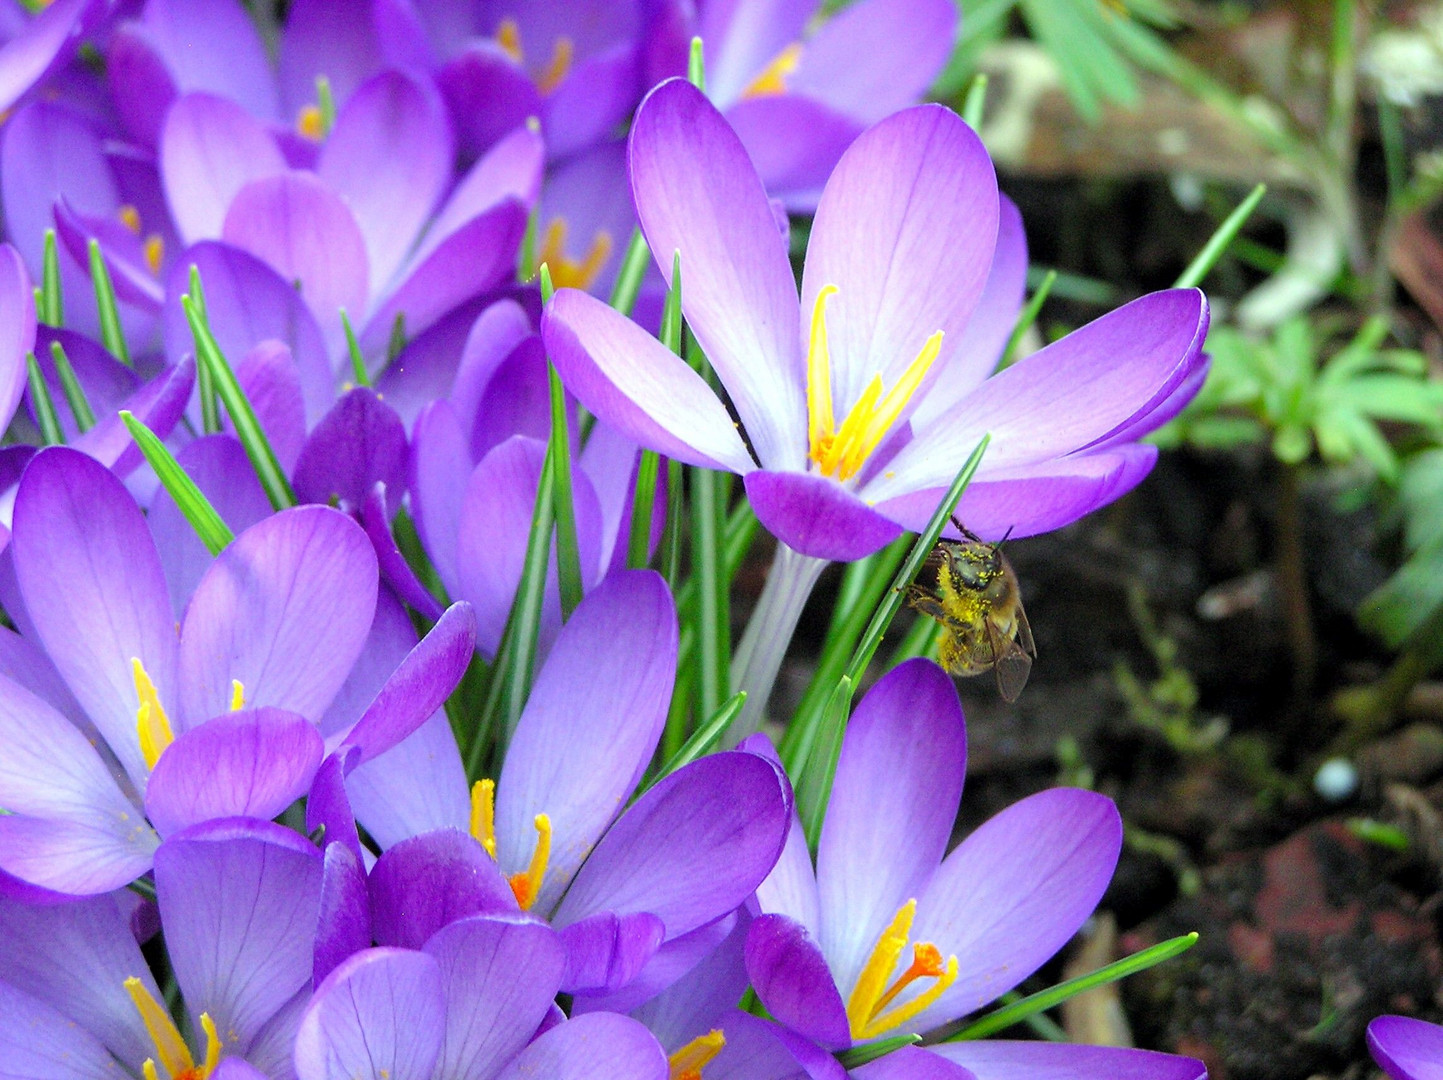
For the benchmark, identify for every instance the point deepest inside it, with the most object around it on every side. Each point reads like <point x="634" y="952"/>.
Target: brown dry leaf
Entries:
<point x="1096" y="1017"/>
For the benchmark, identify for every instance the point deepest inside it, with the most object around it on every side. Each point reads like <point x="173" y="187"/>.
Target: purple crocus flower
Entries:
<point x="115" y="714"/>
<point x="238" y="901"/>
<point x="1407" y="1049"/>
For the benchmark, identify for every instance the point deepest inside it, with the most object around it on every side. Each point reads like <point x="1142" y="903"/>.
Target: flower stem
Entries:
<point x="1292" y="582"/>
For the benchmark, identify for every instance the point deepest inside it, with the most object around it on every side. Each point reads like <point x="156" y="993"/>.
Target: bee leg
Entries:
<point x="930" y="606"/>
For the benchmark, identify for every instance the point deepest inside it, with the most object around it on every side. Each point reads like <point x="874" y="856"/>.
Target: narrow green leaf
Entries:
<point x="51" y="308"/>
<point x="397" y="341"/>
<point x="713" y="610"/>
<point x="643" y="498"/>
<point x="1027" y="318"/>
<point x="670" y="334"/>
<point x="111" y="334"/>
<point x="568" y="550"/>
<point x="702" y="741"/>
<point x="359" y="373"/>
<point x="975" y="102"/>
<point x="325" y="105"/>
<point x="74" y="392"/>
<point x="921" y="640"/>
<point x="1218" y="243"/>
<point x="630" y="274"/>
<point x="45" y="416"/>
<point x="671" y="537"/>
<point x="1046" y="999"/>
<point x="526" y="260"/>
<point x="214" y="533"/>
<point x="818" y="756"/>
<point x="204" y="381"/>
<point x="696" y="65"/>
<point x="858" y="1056"/>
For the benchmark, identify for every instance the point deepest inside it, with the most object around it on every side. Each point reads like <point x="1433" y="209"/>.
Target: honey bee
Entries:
<point x="976" y="599"/>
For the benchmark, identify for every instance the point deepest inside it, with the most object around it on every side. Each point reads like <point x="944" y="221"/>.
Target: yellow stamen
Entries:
<point x="130" y="218"/>
<point x="688" y="1062"/>
<point x="773" y="79"/>
<point x="871" y="995"/>
<point x="508" y="36"/>
<point x="819" y="375"/>
<point x="566" y="272"/>
<point x="237" y="696"/>
<point x="170" y="1048"/>
<point x="483" y="814"/>
<point x="148" y="1070"/>
<point x="843" y="447"/>
<point x="310" y="123"/>
<point x="212" y="1046"/>
<point x="562" y="54"/>
<point x="150" y="719"/>
<point x="527" y="885"/>
<point x="154" y="253"/>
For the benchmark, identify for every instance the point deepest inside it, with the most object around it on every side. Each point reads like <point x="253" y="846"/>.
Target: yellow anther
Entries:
<point x="151" y="722"/>
<point x="483" y="814"/>
<point x="773" y="79"/>
<point x="688" y="1062"/>
<point x="819" y="375"/>
<point x="310" y="123"/>
<point x="562" y="54"/>
<point x="154" y="253"/>
<point x="871" y="995"/>
<point x="170" y="1048"/>
<point x="566" y="272"/>
<point x="527" y="885"/>
<point x="237" y="696"/>
<point x="212" y="1046"/>
<point x="129" y="217"/>
<point x="508" y="36"/>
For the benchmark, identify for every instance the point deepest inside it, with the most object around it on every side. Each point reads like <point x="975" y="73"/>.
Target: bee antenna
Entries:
<point x="960" y="527"/>
<point x="998" y="546"/>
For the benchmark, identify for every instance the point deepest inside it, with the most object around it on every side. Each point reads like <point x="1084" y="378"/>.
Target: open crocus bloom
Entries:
<point x="840" y="453"/>
<point x="1407" y="1049"/>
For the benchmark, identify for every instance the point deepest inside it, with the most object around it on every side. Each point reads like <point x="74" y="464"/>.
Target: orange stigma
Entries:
<point x="527" y="884"/>
<point x="688" y="1062"/>
<point x="868" y="1014"/>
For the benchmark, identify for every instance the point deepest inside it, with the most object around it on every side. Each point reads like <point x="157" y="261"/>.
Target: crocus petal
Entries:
<point x="613" y="664"/>
<point x="500" y="975"/>
<point x="395" y="570"/>
<point x="210" y="148"/>
<point x="816" y="516"/>
<point x="439" y="454"/>
<point x="696" y="192"/>
<point x="235" y="1068"/>
<point x="791" y="888"/>
<point x="905" y="230"/>
<point x="239" y="901"/>
<point x="122" y="250"/>
<point x="1407" y="1049"/>
<point x="592" y="100"/>
<point x="40" y="1043"/>
<point x="45" y="42"/>
<point x="1015" y="891"/>
<point x="699" y="976"/>
<point x="744" y="36"/>
<point x="214" y="46"/>
<point x="795" y="143"/>
<point x="328" y="806"/>
<point x="359" y="443"/>
<point x="515" y="401"/>
<point x="343" y="927"/>
<point x="271" y="380"/>
<point x="509" y="173"/>
<point x="253" y="763"/>
<point x="284" y="610"/>
<point x="638" y="386"/>
<point x="792" y="980"/>
<point x="140" y="83"/>
<point x="1002" y="1060"/>
<point x="911" y="1063"/>
<point x="894" y="800"/>
<point x="389" y="157"/>
<point x="597" y="1046"/>
<point x="425" y="883"/>
<point x="488" y="95"/>
<point x="690" y="849"/>
<point x="106" y="381"/>
<point x="17" y="330"/>
<point x="606" y="951"/>
<point x="25" y="663"/>
<point x="760" y="1049"/>
<point x="324" y="37"/>
<point x="94" y="588"/>
<point x="158" y="404"/>
<point x="381" y="1015"/>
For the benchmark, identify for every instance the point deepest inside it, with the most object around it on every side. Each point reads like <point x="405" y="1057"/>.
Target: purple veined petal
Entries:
<point x="876" y="57"/>
<point x="696" y="192"/>
<point x="685" y="985"/>
<point x="516" y="400"/>
<point x="158" y="404"/>
<point x="328" y="806"/>
<point x="439" y="455"/>
<point x="497" y="332"/>
<point x="271" y="1052"/>
<point x="1034" y="499"/>
<point x="140" y="83"/>
<point x="417" y="786"/>
<point x="974" y="353"/>
<point x="427" y="369"/>
<point x="598" y="1046"/>
<point x="1069" y="396"/>
<point x="795" y="143"/>
<point x="271" y="380"/>
<point x="691" y="849"/>
<point x="210" y="148"/>
<point x="395" y="570"/>
<point x="235" y="1068"/>
<point x="46" y="41"/>
<point x="791" y="888"/>
<point x="500" y="975"/>
<point x="213" y="46"/>
<point x="359" y="443"/>
<point x="284" y="610"/>
<point x="37" y="1041"/>
<point x="744" y="36"/>
<point x="597" y="95"/>
<point x="758" y="1049"/>
<point x="75" y="958"/>
<point x="389" y="158"/>
<point x="430" y="881"/>
<point x="94" y="588"/>
<point x="488" y="95"/>
<point x="1147" y="422"/>
<point x="25" y="663"/>
<point x="239" y="901"/>
<point x="815" y="515"/>
<point x="613" y="665"/>
<point x="606" y="951"/>
<point x="307" y="233"/>
<point x="123" y="251"/>
<point x="324" y="37"/>
<point x="55" y="787"/>
<point x="248" y="303"/>
<point x="381" y="1015"/>
<point x="634" y="383"/>
<point x="905" y="230"/>
<point x="912" y="1063"/>
<point x="1015" y="891"/>
<point x="609" y="461"/>
<point x="388" y="642"/>
<point x="510" y="172"/>
<point x="17" y="329"/>
<point x="220" y="468"/>
<point x="894" y="801"/>
<point x="792" y="979"/>
<point x="419" y="686"/>
<point x="1407" y="1049"/>
<point x="343" y="927"/>
<point x="253" y="763"/>
<point x="1003" y="1060"/>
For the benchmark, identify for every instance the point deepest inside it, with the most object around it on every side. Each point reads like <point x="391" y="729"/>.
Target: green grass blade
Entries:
<point x="214" y="533"/>
<point x="74" y="392"/>
<point x="643" y="498"/>
<point x="1027" y="319"/>
<point x="713" y="610"/>
<point x="1217" y="244"/>
<point x="819" y="751"/>
<point x="111" y="334"/>
<point x="568" y="549"/>
<point x="858" y="1056"/>
<point x="51" y="305"/>
<point x="703" y="740"/>
<point x="45" y="415"/>
<point x="696" y="65"/>
<point x="975" y="102"/>
<point x="629" y="275"/>
<point x="671" y="536"/>
<point x="921" y="640"/>
<point x="359" y="373"/>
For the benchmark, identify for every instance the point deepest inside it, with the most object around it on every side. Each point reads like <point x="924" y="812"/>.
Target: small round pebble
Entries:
<point x="1336" y="780"/>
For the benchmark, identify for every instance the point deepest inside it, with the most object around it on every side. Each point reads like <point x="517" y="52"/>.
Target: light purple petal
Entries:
<point x="239" y="902"/>
<point x="253" y="763"/>
<point x="415" y="787"/>
<point x="395" y="570"/>
<point x="328" y="808"/>
<point x="158" y="405"/>
<point x="426" y="369"/>
<point x="795" y="143"/>
<point x="17" y="328"/>
<point x="123" y="252"/>
<point x="140" y="83"/>
<point x="38" y="1042"/>
<point x="45" y="42"/>
<point x="94" y="588"/>
<point x="791" y="888"/>
<point x="284" y="610"/>
<point x="439" y="455"/>
<point x="598" y="1046"/>
<point x="359" y="443"/>
<point x="743" y="36"/>
<point x="894" y="800"/>
<point x="589" y="728"/>
<point x="1015" y="891"/>
<point x="488" y="95"/>
<point x="1407" y="1049"/>
<point x="699" y="976"/>
<point x="815" y="515"/>
<point x="696" y="192"/>
<point x="25" y="663"/>
<point x="606" y="951"/>
<point x="792" y="979"/>
<point x="691" y="849"/>
<point x="213" y="45"/>
<point x="210" y="148"/>
<point x="515" y="401"/>
<point x="509" y="173"/>
<point x="1002" y="1060"/>
<point x="638" y="386"/>
<point x="430" y="881"/>
<point x="760" y="1049"/>
<point x="595" y="97"/>
<point x="381" y="1015"/>
<point x="911" y="1063"/>
<point x="271" y="380"/>
<point x="325" y="37"/>
<point x="343" y="925"/>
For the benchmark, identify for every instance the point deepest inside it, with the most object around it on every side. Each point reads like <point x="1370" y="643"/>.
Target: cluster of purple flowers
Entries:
<point x="237" y="835"/>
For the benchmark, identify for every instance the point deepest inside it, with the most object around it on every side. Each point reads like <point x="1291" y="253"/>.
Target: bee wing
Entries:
<point x="1024" y="632"/>
<point x="1011" y="663"/>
